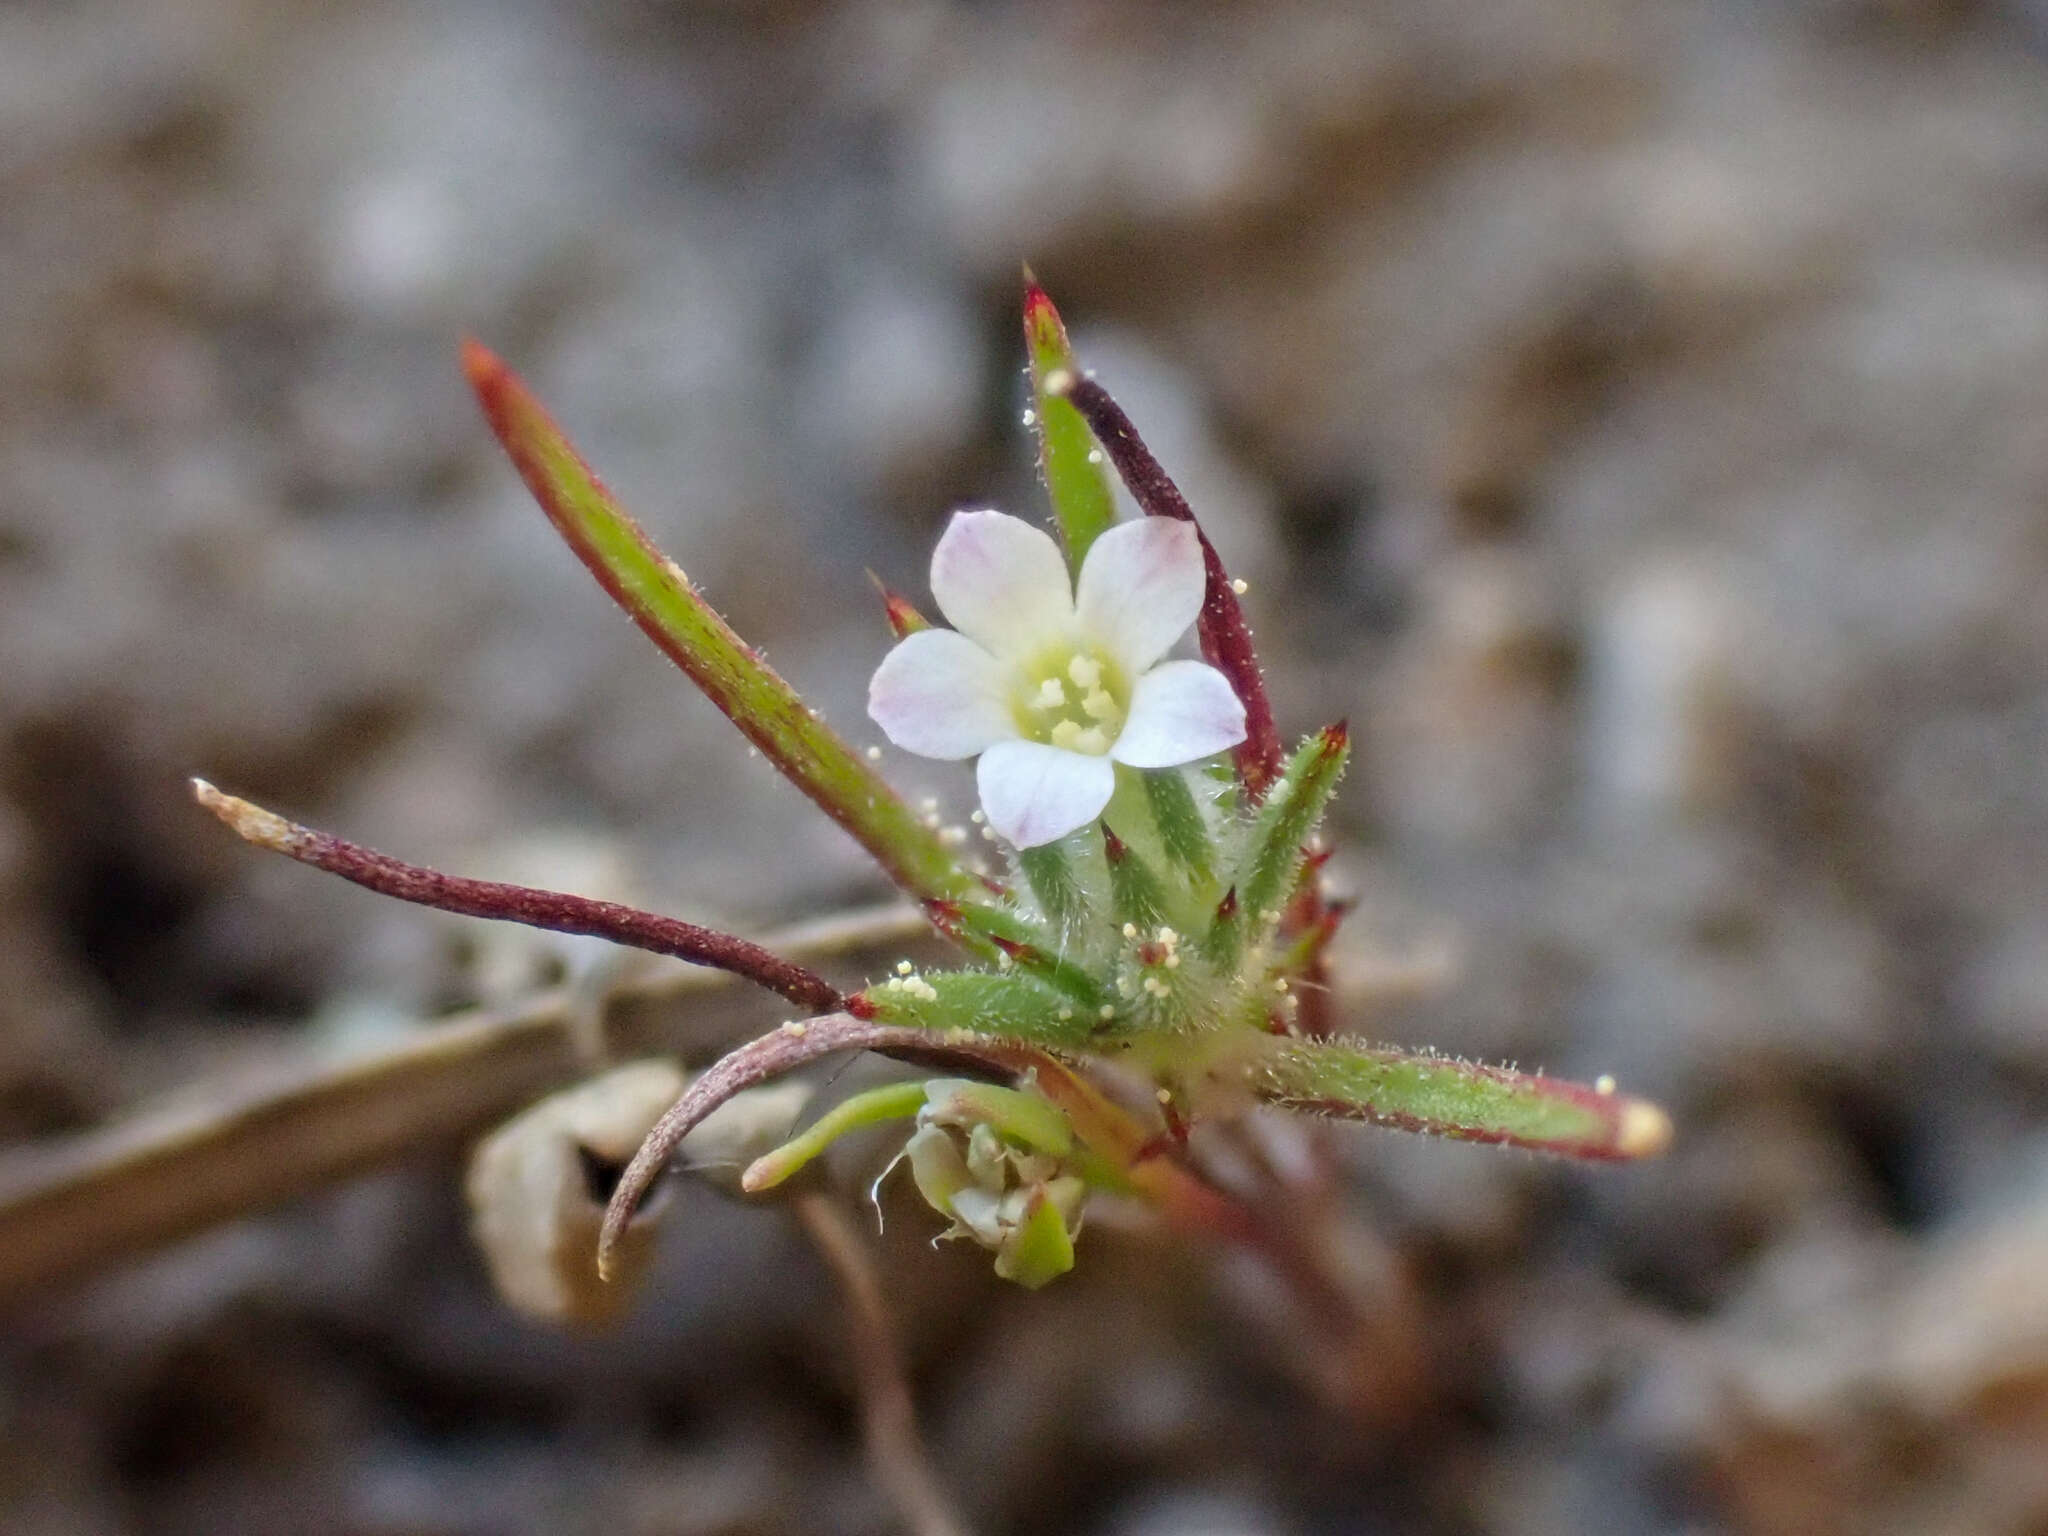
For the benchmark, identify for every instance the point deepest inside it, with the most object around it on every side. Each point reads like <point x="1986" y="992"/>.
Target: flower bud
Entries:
<point x="992" y="1162"/>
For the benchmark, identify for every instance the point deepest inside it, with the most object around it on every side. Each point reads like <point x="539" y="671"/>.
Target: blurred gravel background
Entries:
<point x="1630" y="415"/>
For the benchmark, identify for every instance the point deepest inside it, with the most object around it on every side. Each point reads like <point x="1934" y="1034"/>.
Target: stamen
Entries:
<point x="1086" y="672"/>
<point x="1052" y="694"/>
<point x="1099" y="704"/>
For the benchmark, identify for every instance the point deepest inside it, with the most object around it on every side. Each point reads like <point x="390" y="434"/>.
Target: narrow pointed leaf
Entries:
<point x="1222" y="942"/>
<point x="1008" y="939"/>
<point x="1441" y="1097"/>
<point x="1286" y="821"/>
<point x="1076" y="480"/>
<point x="659" y="598"/>
<point x="1007" y="1003"/>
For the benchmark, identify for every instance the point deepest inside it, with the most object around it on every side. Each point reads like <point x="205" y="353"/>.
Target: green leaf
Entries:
<point x="659" y="598"/>
<point x="1075" y="478"/>
<point x="1006" y="1003"/>
<point x="999" y="935"/>
<point x="1438" y="1096"/>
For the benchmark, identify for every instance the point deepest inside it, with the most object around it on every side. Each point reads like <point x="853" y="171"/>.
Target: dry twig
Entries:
<point x="78" y="1204"/>
<point x="888" y="1416"/>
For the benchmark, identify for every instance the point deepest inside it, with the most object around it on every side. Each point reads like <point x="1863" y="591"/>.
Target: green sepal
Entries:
<point x="1041" y="1249"/>
<point x="1053" y="872"/>
<point x="1292" y="811"/>
<point x="1183" y="831"/>
<point x="1135" y="892"/>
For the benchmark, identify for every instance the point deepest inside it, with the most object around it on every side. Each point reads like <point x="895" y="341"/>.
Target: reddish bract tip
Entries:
<point x="904" y="619"/>
<point x="1337" y="737"/>
<point x="946" y="916"/>
<point x="1042" y="324"/>
<point x="1112" y="846"/>
<point x="484" y="369"/>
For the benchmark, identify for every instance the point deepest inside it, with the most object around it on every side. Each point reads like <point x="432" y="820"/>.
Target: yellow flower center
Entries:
<point x="1074" y="697"/>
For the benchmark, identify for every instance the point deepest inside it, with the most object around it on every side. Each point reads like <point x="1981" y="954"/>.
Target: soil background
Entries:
<point x="1630" y="415"/>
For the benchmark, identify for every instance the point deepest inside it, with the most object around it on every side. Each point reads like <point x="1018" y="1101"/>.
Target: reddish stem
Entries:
<point x="1226" y="638"/>
<point x="779" y="1051"/>
<point x="555" y="911"/>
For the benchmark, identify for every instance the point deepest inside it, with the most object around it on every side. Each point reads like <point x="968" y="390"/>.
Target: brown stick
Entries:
<point x="72" y="1205"/>
<point x="553" y="910"/>
<point x="1226" y="638"/>
<point x="888" y="1416"/>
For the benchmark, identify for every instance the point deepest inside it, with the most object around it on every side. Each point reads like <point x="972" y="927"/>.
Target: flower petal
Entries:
<point x="938" y="694"/>
<point x="1002" y="582"/>
<point x="1141" y="587"/>
<point x="1180" y="710"/>
<point x="1033" y="793"/>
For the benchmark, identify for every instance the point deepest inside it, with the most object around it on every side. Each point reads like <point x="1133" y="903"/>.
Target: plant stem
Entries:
<point x="1226" y="638"/>
<point x="555" y="911"/>
<point x="783" y="1050"/>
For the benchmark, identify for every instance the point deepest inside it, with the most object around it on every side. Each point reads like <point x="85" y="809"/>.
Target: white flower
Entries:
<point x="1053" y="686"/>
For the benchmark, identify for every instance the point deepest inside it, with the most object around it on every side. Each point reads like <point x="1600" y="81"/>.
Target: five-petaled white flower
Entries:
<point x="1054" y="684"/>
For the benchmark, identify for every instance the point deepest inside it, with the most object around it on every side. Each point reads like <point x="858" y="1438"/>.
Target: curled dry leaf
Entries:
<point x="537" y="1188"/>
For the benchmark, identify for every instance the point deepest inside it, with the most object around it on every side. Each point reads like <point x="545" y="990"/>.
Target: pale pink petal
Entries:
<point x="1141" y="587"/>
<point x="1033" y="793"/>
<point x="938" y="694"/>
<point x="1002" y="582"/>
<point x="1180" y="710"/>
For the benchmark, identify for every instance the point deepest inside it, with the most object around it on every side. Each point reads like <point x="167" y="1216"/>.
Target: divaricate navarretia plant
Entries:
<point x="1160" y="919"/>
